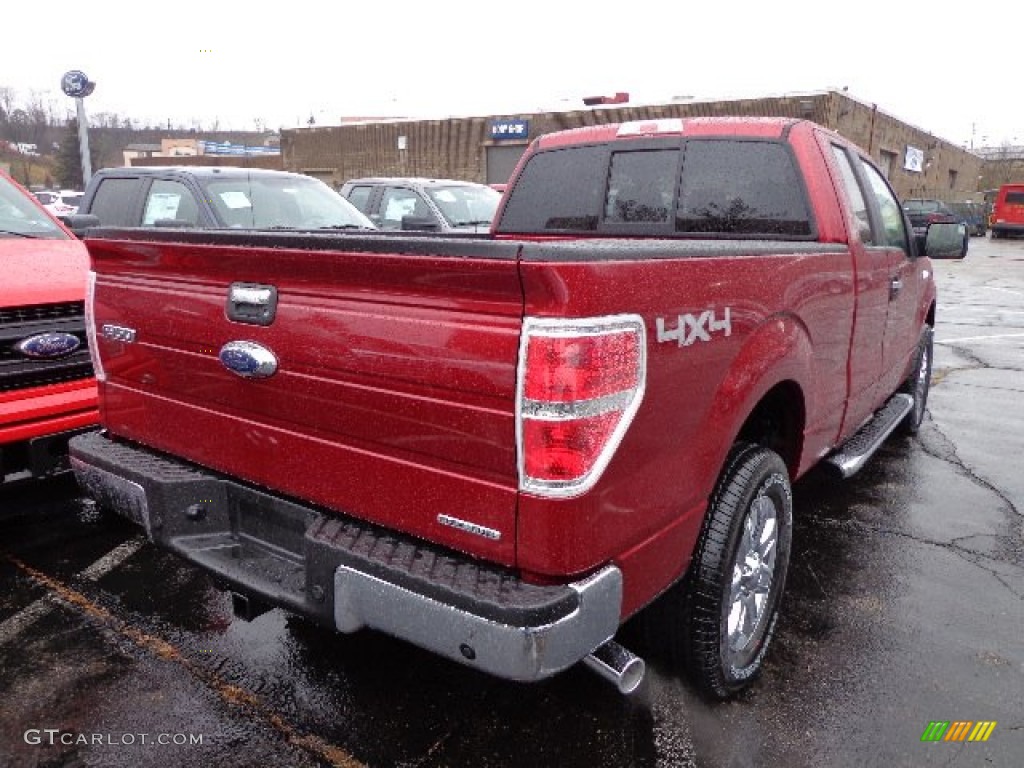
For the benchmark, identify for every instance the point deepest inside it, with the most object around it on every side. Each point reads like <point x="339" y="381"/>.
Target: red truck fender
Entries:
<point x="773" y="369"/>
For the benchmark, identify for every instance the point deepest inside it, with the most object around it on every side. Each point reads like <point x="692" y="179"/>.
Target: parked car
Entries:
<point x="922" y="212"/>
<point x="1008" y="211"/>
<point x="47" y="389"/>
<point x="974" y="215"/>
<point x="212" y="197"/>
<point x="438" y="205"/>
<point x="60" y="203"/>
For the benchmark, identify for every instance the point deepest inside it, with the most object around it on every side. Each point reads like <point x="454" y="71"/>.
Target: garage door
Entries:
<point x="501" y="161"/>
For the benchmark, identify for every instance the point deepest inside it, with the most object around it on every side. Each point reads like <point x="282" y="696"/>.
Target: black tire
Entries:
<point x="918" y="383"/>
<point x="696" y="614"/>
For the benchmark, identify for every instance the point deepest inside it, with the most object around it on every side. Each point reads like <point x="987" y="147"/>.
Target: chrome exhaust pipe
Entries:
<point x="617" y="665"/>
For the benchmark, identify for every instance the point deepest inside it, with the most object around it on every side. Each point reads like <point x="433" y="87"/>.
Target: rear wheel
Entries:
<point x="721" y="618"/>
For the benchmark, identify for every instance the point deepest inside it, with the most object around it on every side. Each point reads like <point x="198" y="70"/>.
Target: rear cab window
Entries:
<point x="728" y="187"/>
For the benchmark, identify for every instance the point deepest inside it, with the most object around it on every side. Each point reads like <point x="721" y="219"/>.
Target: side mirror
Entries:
<point x="428" y="223"/>
<point x="79" y="222"/>
<point x="944" y="241"/>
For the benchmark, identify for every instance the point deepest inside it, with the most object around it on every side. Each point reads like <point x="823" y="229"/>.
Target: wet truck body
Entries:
<point x="501" y="447"/>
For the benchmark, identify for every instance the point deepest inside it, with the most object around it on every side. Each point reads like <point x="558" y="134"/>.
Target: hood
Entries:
<point x="40" y="271"/>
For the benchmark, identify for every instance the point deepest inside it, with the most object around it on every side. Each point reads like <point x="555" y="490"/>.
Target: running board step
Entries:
<point x="852" y="455"/>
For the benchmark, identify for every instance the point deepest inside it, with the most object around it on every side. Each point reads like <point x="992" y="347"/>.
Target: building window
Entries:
<point x="886" y="161"/>
<point x="952" y="179"/>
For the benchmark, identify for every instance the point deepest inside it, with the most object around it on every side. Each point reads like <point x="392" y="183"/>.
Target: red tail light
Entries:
<point x="580" y="383"/>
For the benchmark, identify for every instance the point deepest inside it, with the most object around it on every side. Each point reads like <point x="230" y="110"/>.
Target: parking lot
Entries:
<point x="904" y="606"/>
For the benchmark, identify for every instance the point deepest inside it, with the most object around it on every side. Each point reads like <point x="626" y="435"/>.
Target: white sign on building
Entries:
<point x="914" y="160"/>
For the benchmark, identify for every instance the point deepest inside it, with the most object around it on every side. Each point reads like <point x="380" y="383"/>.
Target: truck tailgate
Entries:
<point x="393" y="398"/>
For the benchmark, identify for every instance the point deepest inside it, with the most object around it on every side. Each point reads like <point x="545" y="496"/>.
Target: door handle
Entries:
<point x="895" y="286"/>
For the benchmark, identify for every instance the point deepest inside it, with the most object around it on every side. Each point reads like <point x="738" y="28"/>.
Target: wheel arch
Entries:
<point x="763" y="399"/>
<point x="777" y="422"/>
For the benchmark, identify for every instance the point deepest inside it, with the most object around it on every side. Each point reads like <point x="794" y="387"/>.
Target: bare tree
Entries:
<point x="38" y="118"/>
<point x="7" y="97"/>
<point x="20" y="125"/>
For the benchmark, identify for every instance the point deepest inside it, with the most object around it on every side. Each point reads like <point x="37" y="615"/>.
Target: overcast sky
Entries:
<point x="946" y="68"/>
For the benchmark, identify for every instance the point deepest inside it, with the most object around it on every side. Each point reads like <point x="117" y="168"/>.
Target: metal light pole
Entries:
<point x="76" y="85"/>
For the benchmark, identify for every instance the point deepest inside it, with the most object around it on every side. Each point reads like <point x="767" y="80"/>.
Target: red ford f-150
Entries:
<point x="501" y="447"/>
<point x="47" y="391"/>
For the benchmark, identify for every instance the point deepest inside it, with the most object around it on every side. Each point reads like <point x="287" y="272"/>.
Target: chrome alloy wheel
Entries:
<point x="924" y="372"/>
<point x="752" y="571"/>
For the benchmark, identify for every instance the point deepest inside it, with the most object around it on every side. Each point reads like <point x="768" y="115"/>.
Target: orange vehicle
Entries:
<point x="47" y="389"/>
<point x="1008" y="211"/>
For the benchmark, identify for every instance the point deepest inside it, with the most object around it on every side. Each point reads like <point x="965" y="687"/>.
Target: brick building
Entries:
<point x="918" y="163"/>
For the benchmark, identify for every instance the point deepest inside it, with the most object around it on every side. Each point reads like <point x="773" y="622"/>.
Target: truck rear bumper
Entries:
<point x="348" y="574"/>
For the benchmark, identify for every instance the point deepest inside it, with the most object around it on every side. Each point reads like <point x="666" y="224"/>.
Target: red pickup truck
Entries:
<point x="500" y="447"/>
<point x="47" y="392"/>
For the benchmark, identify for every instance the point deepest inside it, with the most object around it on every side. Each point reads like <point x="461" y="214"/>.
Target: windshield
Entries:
<point x="466" y="205"/>
<point x="292" y="202"/>
<point x="21" y="217"/>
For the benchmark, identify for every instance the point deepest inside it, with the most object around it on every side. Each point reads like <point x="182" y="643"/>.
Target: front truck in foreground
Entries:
<point x="47" y="391"/>
<point x="500" y="448"/>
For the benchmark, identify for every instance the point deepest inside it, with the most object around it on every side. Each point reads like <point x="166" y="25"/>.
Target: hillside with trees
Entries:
<point x="48" y="122"/>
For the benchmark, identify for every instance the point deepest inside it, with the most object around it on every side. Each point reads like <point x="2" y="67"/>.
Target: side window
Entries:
<point x="360" y="197"/>
<point x="641" y="186"/>
<point x="398" y="203"/>
<point x="113" y="200"/>
<point x="169" y="200"/>
<point x="894" y="232"/>
<point x="860" y="207"/>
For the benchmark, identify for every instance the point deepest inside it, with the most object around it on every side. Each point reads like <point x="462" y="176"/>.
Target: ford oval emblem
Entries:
<point x="46" y="346"/>
<point x="248" y="359"/>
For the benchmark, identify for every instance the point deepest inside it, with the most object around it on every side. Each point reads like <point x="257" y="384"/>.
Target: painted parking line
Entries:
<point x="12" y="627"/>
<point x="25" y="618"/>
<point x="112" y="559"/>
<point x="981" y="338"/>
<point x="1004" y="290"/>
<point x="230" y="693"/>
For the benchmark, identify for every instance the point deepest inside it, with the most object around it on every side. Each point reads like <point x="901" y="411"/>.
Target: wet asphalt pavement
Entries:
<point x="905" y="605"/>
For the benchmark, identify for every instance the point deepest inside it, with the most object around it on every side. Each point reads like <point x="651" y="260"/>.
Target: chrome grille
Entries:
<point x="18" y="323"/>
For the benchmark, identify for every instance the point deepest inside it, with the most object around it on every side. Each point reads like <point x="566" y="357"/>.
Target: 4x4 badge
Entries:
<point x="691" y="328"/>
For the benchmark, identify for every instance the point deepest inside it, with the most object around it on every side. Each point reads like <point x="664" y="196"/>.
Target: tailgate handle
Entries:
<point x="251" y="303"/>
